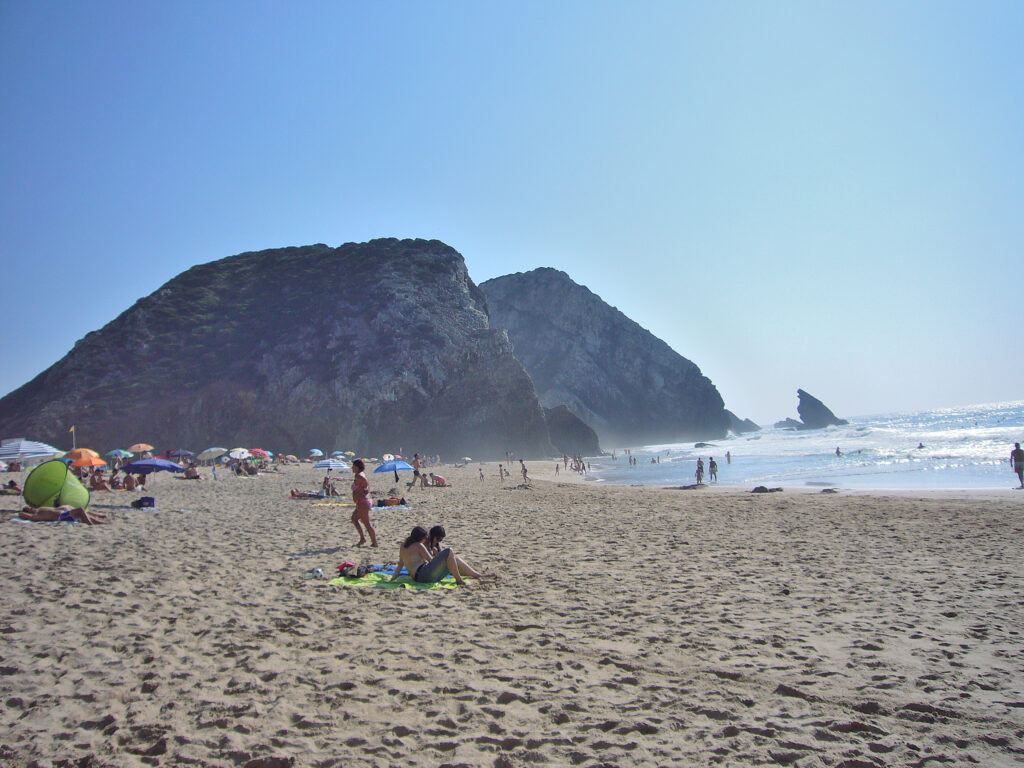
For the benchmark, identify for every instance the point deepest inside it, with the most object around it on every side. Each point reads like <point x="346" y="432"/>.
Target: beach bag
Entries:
<point x="145" y="501"/>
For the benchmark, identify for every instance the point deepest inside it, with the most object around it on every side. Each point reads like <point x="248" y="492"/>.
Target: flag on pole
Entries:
<point x="72" y="428"/>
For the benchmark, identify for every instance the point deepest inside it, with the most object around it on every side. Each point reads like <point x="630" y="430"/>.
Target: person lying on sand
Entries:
<point x="297" y="494"/>
<point x="423" y="568"/>
<point x="64" y="514"/>
<point x="12" y="485"/>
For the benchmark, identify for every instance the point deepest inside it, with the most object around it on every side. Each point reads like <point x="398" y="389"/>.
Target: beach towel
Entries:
<point x="382" y="580"/>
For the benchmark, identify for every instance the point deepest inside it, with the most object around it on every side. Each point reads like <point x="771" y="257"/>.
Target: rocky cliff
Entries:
<point x="371" y="347"/>
<point x="620" y="379"/>
<point x="570" y="434"/>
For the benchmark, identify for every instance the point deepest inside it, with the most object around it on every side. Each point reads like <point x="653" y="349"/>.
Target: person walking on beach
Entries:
<point x="363" y="502"/>
<point x="713" y="469"/>
<point x="522" y="469"/>
<point x="1017" y="462"/>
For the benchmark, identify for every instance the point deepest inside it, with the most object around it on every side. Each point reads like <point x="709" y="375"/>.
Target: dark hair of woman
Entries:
<point x="358" y="464"/>
<point x="418" y="534"/>
<point x="437" y="534"/>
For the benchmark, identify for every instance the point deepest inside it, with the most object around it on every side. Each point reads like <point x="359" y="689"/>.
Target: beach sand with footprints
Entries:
<point x="629" y="627"/>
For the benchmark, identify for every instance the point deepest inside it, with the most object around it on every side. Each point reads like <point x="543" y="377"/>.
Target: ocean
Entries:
<point x="961" y="448"/>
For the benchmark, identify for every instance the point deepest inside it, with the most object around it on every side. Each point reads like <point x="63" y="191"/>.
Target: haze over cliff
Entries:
<point x="374" y="346"/>
<point x="629" y="385"/>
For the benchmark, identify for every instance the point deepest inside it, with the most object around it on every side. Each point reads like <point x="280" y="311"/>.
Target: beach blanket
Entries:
<point x="349" y="504"/>
<point x="382" y="580"/>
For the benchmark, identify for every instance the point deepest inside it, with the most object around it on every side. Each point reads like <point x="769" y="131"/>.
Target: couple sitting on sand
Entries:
<point x="421" y="555"/>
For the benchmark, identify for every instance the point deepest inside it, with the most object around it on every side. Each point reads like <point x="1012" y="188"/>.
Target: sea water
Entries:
<point x="948" y="448"/>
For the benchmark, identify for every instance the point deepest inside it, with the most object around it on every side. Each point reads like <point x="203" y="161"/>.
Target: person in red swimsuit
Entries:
<point x="363" y="502"/>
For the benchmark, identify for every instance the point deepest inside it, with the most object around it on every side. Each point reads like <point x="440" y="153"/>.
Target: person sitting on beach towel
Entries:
<point x="414" y="556"/>
<point x="191" y="473"/>
<point x="115" y="482"/>
<point x="130" y="483"/>
<point x="64" y="514"/>
<point x="98" y="483"/>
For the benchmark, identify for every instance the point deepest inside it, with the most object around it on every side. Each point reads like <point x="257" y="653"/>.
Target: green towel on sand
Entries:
<point x="382" y="581"/>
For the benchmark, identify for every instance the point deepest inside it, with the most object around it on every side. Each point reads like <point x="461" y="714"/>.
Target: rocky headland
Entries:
<point x="623" y="381"/>
<point x="368" y="346"/>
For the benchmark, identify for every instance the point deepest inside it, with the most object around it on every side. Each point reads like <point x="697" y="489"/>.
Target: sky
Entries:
<point x="820" y="195"/>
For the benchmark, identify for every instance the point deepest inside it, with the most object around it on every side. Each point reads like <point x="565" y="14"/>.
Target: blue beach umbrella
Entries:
<point x="145" y="466"/>
<point x="315" y="452"/>
<point x="393" y="466"/>
<point x="119" y="453"/>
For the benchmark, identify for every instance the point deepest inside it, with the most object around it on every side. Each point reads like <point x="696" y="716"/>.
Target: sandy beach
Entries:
<point x="629" y="627"/>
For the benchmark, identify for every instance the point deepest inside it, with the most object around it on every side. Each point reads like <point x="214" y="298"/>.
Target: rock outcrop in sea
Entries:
<point x="373" y="347"/>
<point x="627" y="384"/>
<point x="814" y="414"/>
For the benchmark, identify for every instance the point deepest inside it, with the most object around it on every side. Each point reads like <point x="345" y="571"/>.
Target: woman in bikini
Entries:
<point x="363" y="502"/>
<point x="414" y="556"/>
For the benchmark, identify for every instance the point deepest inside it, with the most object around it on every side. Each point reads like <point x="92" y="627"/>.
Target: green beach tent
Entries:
<point x="52" y="484"/>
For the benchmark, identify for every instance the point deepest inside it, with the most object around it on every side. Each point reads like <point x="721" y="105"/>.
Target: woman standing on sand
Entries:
<point x="363" y="502"/>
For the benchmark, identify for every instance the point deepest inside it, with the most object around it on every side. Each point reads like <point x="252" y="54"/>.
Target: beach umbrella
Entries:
<point x="81" y="453"/>
<point x="119" y="453"/>
<point x="239" y="453"/>
<point x="211" y="453"/>
<point x="350" y="453"/>
<point x="388" y="456"/>
<point x="315" y="452"/>
<point x="3" y="467"/>
<point x="20" y="449"/>
<point x="393" y="466"/>
<point x="330" y="464"/>
<point x="179" y="453"/>
<point x="259" y="452"/>
<point x="146" y="466"/>
<point x="292" y="457"/>
<point x="336" y="454"/>
<point x="52" y="484"/>
<point x="140" y="447"/>
<point x="88" y="461"/>
<point x="466" y="458"/>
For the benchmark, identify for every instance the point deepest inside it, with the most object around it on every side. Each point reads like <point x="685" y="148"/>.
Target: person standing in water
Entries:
<point x="363" y="502"/>
<point x="713" y="469"/>
<point x="1017" y="462"/>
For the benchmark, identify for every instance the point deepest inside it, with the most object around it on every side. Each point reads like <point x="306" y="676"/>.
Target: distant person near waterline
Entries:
<point x="1017" y="462"/>
<point x="728" y="457"/>
<point x="700" y="471"/>
<point x="712" y="469"/>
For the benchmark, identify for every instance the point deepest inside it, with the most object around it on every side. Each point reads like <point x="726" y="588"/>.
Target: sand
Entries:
<point x="630" y="627"/>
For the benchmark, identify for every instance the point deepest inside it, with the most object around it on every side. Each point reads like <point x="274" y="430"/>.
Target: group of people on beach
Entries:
<point x="420" y="554"/>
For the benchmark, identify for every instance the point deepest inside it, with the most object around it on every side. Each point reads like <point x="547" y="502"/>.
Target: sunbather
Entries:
<point x="297" y="494"/>
<point x="66" y="513"/>
<point x="416" y="559"/>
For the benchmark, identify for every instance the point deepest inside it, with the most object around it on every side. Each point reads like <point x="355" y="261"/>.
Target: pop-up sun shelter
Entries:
<point x="52" y="484"/>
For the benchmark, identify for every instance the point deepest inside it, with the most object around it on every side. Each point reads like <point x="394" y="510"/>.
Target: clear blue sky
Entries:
<point x="806" y="194"/>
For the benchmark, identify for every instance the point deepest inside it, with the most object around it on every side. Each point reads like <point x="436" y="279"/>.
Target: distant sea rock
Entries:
<point x="370" y="347"/>
<point x="628" y="385"/>
<point x="740" y="426"/>
<point x="814" y="414"/>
